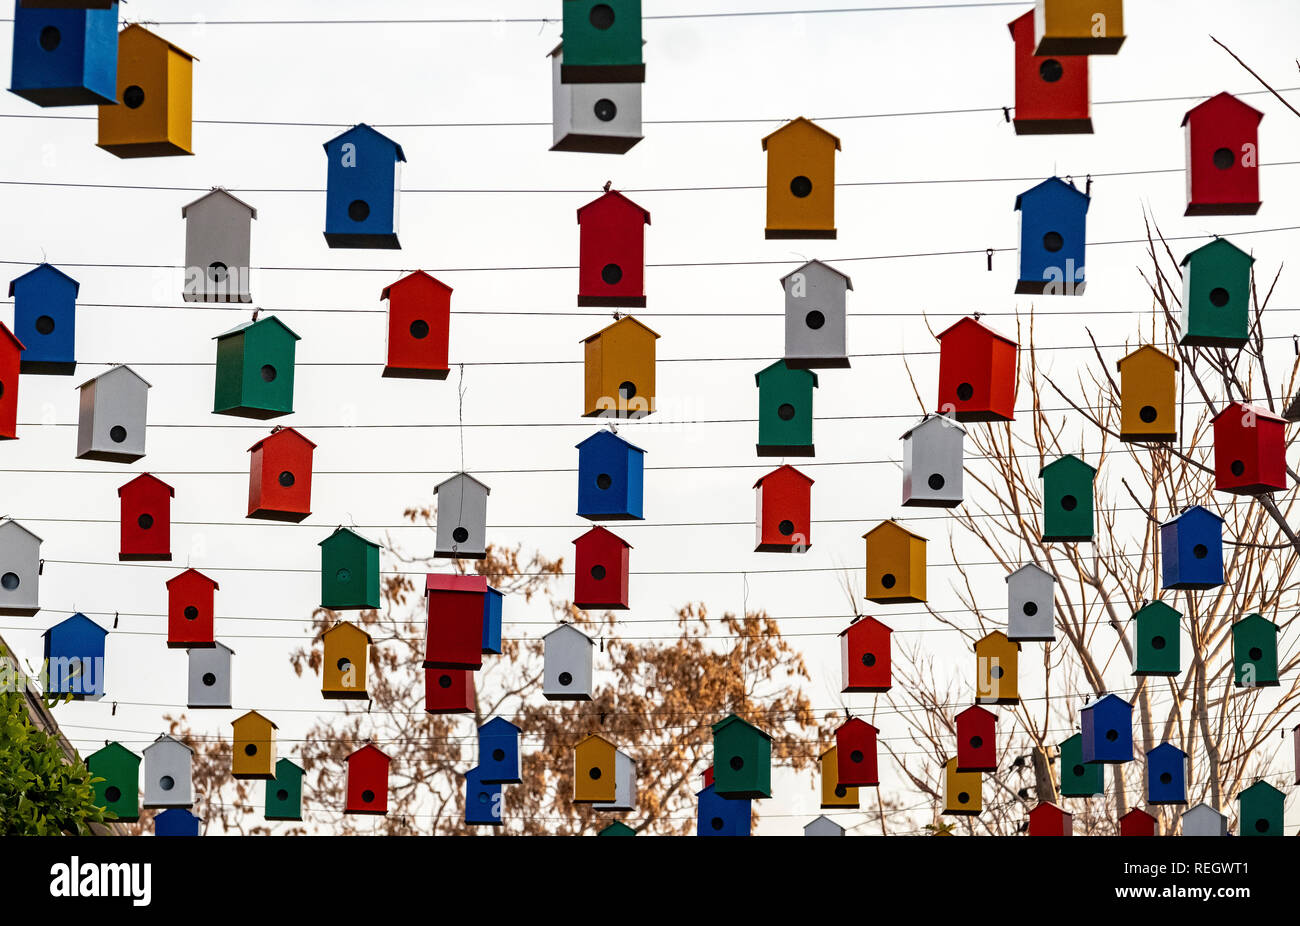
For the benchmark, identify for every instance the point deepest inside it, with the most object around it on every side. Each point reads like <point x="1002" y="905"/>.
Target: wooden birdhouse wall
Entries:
<point x="833" y="792"/>
<point x="865" y="663"/>
<point x="493" y="611"/>
<point x="1068" y="500"/>
<point x="618" y="374"/>
<point x="601" y="567"/>
<point x="933" y="463"/>
<point x="45" y="320"/>
<point x="454" y="628"/>
<point x="611" y="478"/>
<point x="1148" y="389"/>
<point x="895" y="564"/>
<point x="1249" y="450"/>
<point x="816" y="317"/>
<point x="997" y="670"/>
<point x="449" y="691"/>
<point x="567" y="665"/>
<point x="1137" y="823"/>
<point x="111" y="413"/>
<point x="961" y="791"/>
<point x="1052" y="92"/>
<point x="155" y="98"/>
<point x="20" y="570"/>
<point x="210" y="676"/>
<point x="1157" y="640"/>
<point x="344" y="662"/>
<point x="191" y="598"/>
<point x="1191" y="550"/>
<point x="498" y="752"/>
<point x="784" y="518"/>
<point x="1216" y="296"/>
<point x="65" y="57"/>
<point x="11" y="350"/>
<point x="362" y="184"/>
<point x="119" y="791"/>
<point x="1262" y="810"/>
<point x="176" y="821"/>
<point x="1107" y="727"/>
<point x="218" y="245"/>
<point x="624" y="785"/>
<point x="801" y="181"/>
<point x="419" y="327"/>
<point x="977" y="373"/>
<point x="1078" y="27"/>
<point x="855" y="745"/>
<point x="719" y="816"/>
<point x="283" y="799"/>
<point x="785" y="411"/>
<point x="597" y="118"/>
<point x="462" y="518"/>
<point x="367" y="782"/>
<point x="1222" y="142"/>
<point x="1079" y="778"/>
<point x="1049" y="820"/>
<point x="611" y="252"/>
<point x="604" y="38"/>
<point x="1053" y="235"/>
<point x="74" y="659"/>
<point x="1203" y="820"/>
<point x="742" y="759"/>
<point x="146" y="520"/>
<point x="1166" y="775"/>
<point x="349" y="572"/>
<point x="1031" y="604"/>
<point x="254" y="376"/>
<point x="483" y="800"/>
<point x="279" y="477"/>
<point x="977" y="749"/>
<point x="1254" y="652"/>
<point x="595" y="776"/>
<point x="168" y="777"/>
<point x="253" y="747"/>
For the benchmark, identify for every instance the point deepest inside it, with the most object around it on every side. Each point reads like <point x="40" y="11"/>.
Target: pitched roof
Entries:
<point x="113" y="371"/>
<point x="567" y="629"/>
<point x="1052" y="183"/>
<point x="294" y="431"/>
<point x="925" y="422"/>
<point x="6" y="522"/>
<point x="453" y="582"/>
<point x="862" y="620"/>
<point x="819" y="264"/>
<point x="1217" y="100"/>
<point x="606" y="434"/>
<point x="250" y="323"/>
<point x="1068" y="460"/>
<point x="410" y="277"/>
<point x="360" y="126"/>
<point x="348" y="625"/>
<point x="43" y="269"/>
<point x="1030" y="567"/>
<point x="1144" y="350"/>
<point x="968" y="320"/>
<point x="153" y="35"/>
<point x="13" y="338"/>
<point x="248" y="714"/>
<point x="1192" y="511"/>
<point x="894" y="524"/>
<point x="617" y="197"/>
<point x="170" y="739"/>
<point x="625" y="318"/>
<point x="800" y="120"/>
<point x="145" y="477"/>
<point x="599" y="531"/>
<point x="782" y="364"/>
<point x="731" y="720"/>
<point x="781" y="469"/>
<point x="215" y="190"/>
<point x="1217" y="244"/>
<point x="181" y="575"/>
<point x="1258" y="411"/>
<point x="458" y="477"/>
<point x="349" y="531"/>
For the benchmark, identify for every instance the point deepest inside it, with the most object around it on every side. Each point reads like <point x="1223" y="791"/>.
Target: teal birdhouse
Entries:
<point x="349" y="571"/>
<point x="785" y="411"/>
<point x="284" y="792"/>
<point x="1079" y="778"/>
<point x="1261" y="808"/>
<point x="742" y="760"/>
<point x="119" y="792"/>
<point x="1067" y="500"/>
<point x="1254" y="652"/>
<point x="602" y="42"/>
<point x="1158" y="640"/>
<point x="1216" y="295"/>
<point x="255" y="369"/>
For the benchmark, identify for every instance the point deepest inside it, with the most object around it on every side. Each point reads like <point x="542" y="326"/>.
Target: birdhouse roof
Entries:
<point x="1201" y="810"/>
<point x="825" y="752"/>
<point x="349" y="532"/>
<point x="278" y="431"/>
<point x="864" y="620"/>
<point x="496" y="723"/>
<point x="1137" y="812"/>
<point x="288" y="764"/>
<point x="76" y="620"/>
<point x="1147" y="350"/>
<point x="613" y="197"/>
<point x="137" y="28"/>
<point x="1048" y="808"/>
<point x="1108" y="702"/>
<point x="114" y="371"/>
<point x="368" y="749"/>
<point x="1194" y="512"/>
<point x="600" y="532"/>
<point x="977" y="711"/>
<point x="189" y="572"/>
<point x="1031" y="568"/>
<point x="43" y="269"/>
<point x="983" y="328"/>
<point x="261" y="321"/>
<point x="800" y="121"/>
<point x="567" y="630"/>
<point x="114" y="748"/>
<point x="1218" y="244"/>
<point x="13" y="338"/>
<point x="457" y="478"/>
<point x="450" y="582"/>
<point x="595" y="736"/>
<point x="1166" y="747"/>
<point x="412" y="277"/>
<point x="215" y="191"/>
<point x="607" y="435"/>
<point x="824" y="266"/>
<point x="822" y="822"/>
<point x="1011" y="26"/>
<point x="1157" y="606"/>
<point x="219" y="645"/>
<point x="164" y="738"/>
<point x="886" y="525"/>
<point x="780" y="367"/>
<point x="1256" y="620"/>
<point x="784" y="471"/>
<point x="350" y="627"/>
<point x="254" y="714"/>
<point x="1069" y="461"/>
<point x="996" y="638"/>
<point x="1258" y="411"/>
<point x="854" y="721"/>
<point x="937" y="419"/>
<point x="732" y="720"/>
<point x="625" y="318"/>
<point x="1260" y="785"/>
<point x="10" y="522"/>
<point x="1218" y="101"/>
<point x="146" y="478"/>
<point x="362" y="127"/>
<point x="1053" y="184"/>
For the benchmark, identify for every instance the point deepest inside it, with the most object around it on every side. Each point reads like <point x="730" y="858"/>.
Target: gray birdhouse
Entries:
<point x="1031" y="596"/>
<point x="624" y="784"/>
<point x="1204" y="820"/>
<point x="823" y="826"/>
<point x="815" y="321"/>
<point x="168" y="773"/>
<point x="933" y="463"/>
<point x="567" y="656"/>
<point x="596" y="118"/>
<point x="210" y="676"/>
<point x="111" y="416"/>
<point x="20" y="570"/>
<point x="462" y="518"/>
<point x="218" y="233"/>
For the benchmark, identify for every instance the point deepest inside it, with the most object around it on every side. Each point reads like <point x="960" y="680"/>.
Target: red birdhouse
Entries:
<point x="11" y="350"/>
<point x="1222" y="157"/>
<point x="708" y="777"/>
<point x="611" y="258"/>
<point x="279" y="477"/>
<point x="449" y="691"/>
<point x="1049" y="820"/>
<point x="454" y="631"/>
<point x="419" y="325"/>
<point x="146" y="519"/>
<point x="601" y="570"/>
<point x="1137" y="823"/>
<point x="784" y="511"/>
<point x="367" y="790"/>
<point x="1249" y="450"/>
<point x="1051" y="92"/>
<point x="855" y="742"/>
<point x="976" y="740"/>
<point x="864" y="656"/>
<point x="189" y="610"/>
<point x="977" y="373"/>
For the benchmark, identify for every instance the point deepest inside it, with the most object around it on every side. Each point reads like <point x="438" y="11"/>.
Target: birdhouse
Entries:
<point x="343" y="664"/>
<point x="1067" y="500"/>
<point x="1137" y="822"/>
<point x="566" y="671"/>
<point x="834" y="792"/>
<point x="119" y="792"/>
<point x="1166" y="775"/>
<point x="65" y="57"/>
<point x="977" y="748"/>
<point x="218" y="242"/>
<point x="449" y="691"/>
<point x="483" y="800"/>
<point x="1148" y="391"/>
<point x="146" y="503"/>
<point x="961" y="791"/>
<point x="801" y="181"/>
<point x="617" y="828"/>
<point x="74" y="658"/>
<point x="1204" y="820"/>
<point x="1078" y="27"/>
<point x="784" y="512"/>
<point x="855" y="745"/>
<point x="611" y="253"/>
<point x="419" y="327"/>
<point x="279" y="476"/>
<point x="1254" y="652"/>
<point x="155" y="81"/>
<point x="720" y="816"/>
<point x="253" y="749"/>
<point x="1158" y="640"/>
<point x="1031" y="599"/>
<point x="498" y="752"/>
<point x="1191" y="550"/>
<point x="597" y="118"/>
<point x="493" y="606"/>
<point x="190" y="608"/>
<point x="1261" y="810"/>
<point x="364" y="177"/>
<point x="593" y="771"/>
<point x="1053" y="226"/>
<point x="1046" y="819"/>
<point x="1216" y="297"/>
<point x="349" y="571"/>
<point x="283" y="799"/>
<point x="462" y="518"/>
<point x="255" y="370"/>
<point x="816" y="318"/>
<point x="865" y="656"/>
<point x="932" y="463"/>
<point x="1107" y="726"/>
<point x="176" y="821"/>
<point x="604" y="42"/>
<point x="895" y="564"/>
<point x="111" y="416"/>
<point x="1052" y="93"/>
<point x="210" y="676"/>
<point x="611" y="477"/>
<point x="454" y="632"/>
<point x="823" y="826"/>
<point x="168" y="773"/>
<point x="601" y="571"/>
<point x="1249" y="450"/>
<point x="624" y="785"/>
<point x="1078" y="778"/>
<point x="20" y="570"/>
<point x="1222" y="157"/>
<point x="45" y="320"/>
<point x="619" y="371"/>
<point x="742" y="759"/>
<point x="1295" y="736"/>
<point x="367" y="781"/>
<point x="977" y="373"/>
<point x="997" y="662"/>
<point x="785" y="411"/>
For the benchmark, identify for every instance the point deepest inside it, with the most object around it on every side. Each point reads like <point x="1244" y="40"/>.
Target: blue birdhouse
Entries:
<point x="45" y="320"/>
<point x="1053" y="225"/>
<point x="175" y="821"/>
<point x="498" y="752"/>
<point x="719" y="816"/>
<point x="482" y="800"/>
<point x="1107" y="730"/>
<point x="361" y="189"/>
<point x="493" y="605"/>
<point x="74" y="658"/>
<point x="611" y="474"/>
<point x="65" y="57"/>
<point x="1166" y="775"/>
<point x="1191" y="550"/>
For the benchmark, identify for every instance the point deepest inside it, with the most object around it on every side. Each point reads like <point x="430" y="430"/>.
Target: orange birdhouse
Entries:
<point x="594" y="774"/>
<point x="997" y="662"/>
<point x="835" y="794"/>
<point x="961" y="791"/>
<point x="1148" y="391"/>
<point x="895" y="564"/>
<point x="801" y="181"/>
<point x="619" y="371"/>
<point x="343" y="667"/>
<point x="254" y="747"/>
<point x="279" y="477"/>
<point x="155" y="89"/>
<point x="1078" y="27"/>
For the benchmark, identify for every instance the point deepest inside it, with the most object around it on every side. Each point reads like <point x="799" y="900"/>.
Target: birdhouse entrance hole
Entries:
<point x="594" y="772"/>
<point x="286" y="479"/>
<point x="1069" y="503"/>
<point x="482" y="797"/>
<point x="801" y="186"/>
<point x="209" y="679"/>
<point x="343" y="575"/>
<point x="45" y="325"/>
<point x="1261" y="825"/>
<point x="997" y="671"/>
<point x="50" y="38"/>
<point x="250" y="750"/>
<point x="1224" y="158"/>
<point x="1112" y="735"/>
<point x="868" y="659"/>
<point x="191" y="612"/>
<point x="419" y="329"/>
<point x="166" y="782"/>
<point x="444" y="681"/>
<point x="605" y="110"/>
<point x="565" y="679"/>
<point x="281" y="795"/>
<point x="1078" y="770"/>
<point x="218" y="271"/>
<point x="598" y="572"/>
<point x="133" y="97"/>
<point x="1051" y="70"/>
<point x="611" y="273"/>
<point x="117" y="433"/>
<point x="1147" y="414"/>
<point x="1238" y="467"/>
<point x="840" y="791"/>
<point x="112" y="793"/>
<point x="1030" y="608"/>
<point x="145" y="521"/>
<point x="601" y="16"/>
<point x="358" y="210"/>
<point x="888" y="580"/>
<point x="786" y="528"/>
<point x="9" y="580"/>
<point x="814" y="319"/>
<point x="344" y="664"/>
<point x="965" y="391"/>
<point x="963" y="798"/>
<point x="268" y="373"/>
<point x="626" y="389"/>
<point x="1053" y="241"/>
<point x="498" y="755"/>
<point x="1219" y="297"/>
<point x="367" y="796"/>
<point x="976" y="742"/>
<point x="603" y="481"/>
<point x="1256" y="653"/>
<point x="737" y="763"/>
<point x="716" y="823"/>
<point x="936" y="481"/>
<point x="785" y="412"/>
<point x="460" y="535"/>
<point x="856" y="755"/>
<point x="1200" y="551"/>
<point x="1157" y="642"/>
<point x="1166" y="778"/>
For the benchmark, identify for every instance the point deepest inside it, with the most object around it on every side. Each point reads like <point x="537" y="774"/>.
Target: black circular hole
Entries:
<point x="737" y="763"/>
<point x="1053" y="241"/>
<point x="1261" y="825"/>
<point x="358" y="210"/>
<point x="498" y="755"/>
<point x="133" y="97"/>
<point x="1112" y="735"/>
<point x="343" y="575"/>
<point x="44" y="325"/>
<point x="965" y="391"/>
<point x="419" y="329"/>
<point x="963" y="798"/>
<point x="868" y="659"/>
<point x="856" y="756"/>
<point x="344" y="664"/>
<point x="1200" y="551"/>
<point x="209" y="679"/>
<point x="1219" y="297"/>
<point x="50" y="38"/>
<point x="1256" y="653"/>
<point x="785" y="412"/>
<point x="1079" y="771"/>
<point x="444" y="681"/>
<point x="801" y="186"/>
<point x="594" y="772"/>
<point x="786" y="528"/>
<point x="841" y="791"/>
<point x="626" y="390"/>
<point x="117" y="434"/>
<point x="482" y="797"/>
<point x="166" y="782"/>
<point x="1147" y="413"/>
<point x="716" y="823"/>
<point x="191" y="613"/>
<point x="1237" y="467"/>
<point x="604" y="481"/>
<point x="9" y="581"/>
<point x="113" y="793"/>
<point x="997" y="671"/>
<point x="218" y="272"/>
<point x="1158" y="642"/>
<point x="814" y="319"/>
<point x="565" y="679"/>
<point x="367" y="796"/>
<point x="250" y="749"/>
<point x="460" y="535"/>
<point x="1051" y="70"/>
<point x="611" y="273"/>
<point x="145" y="521"/>
<point x="601" y="16"/>
<point x="598" y="572"/>
<point x="286" y="479"/>
<point x="1224" y="158"/>
<point x="1030" y="608"/>
<point x="1069" y="502"/>
<point x="976" y="742"/>
<point x="1166" y="778"/>
<point x="281" y="795"/>
<point x="268" y="373"/>
<point x="605" y="110"/>
<point x="888" y="580"/>
<point x="936" y="481"/>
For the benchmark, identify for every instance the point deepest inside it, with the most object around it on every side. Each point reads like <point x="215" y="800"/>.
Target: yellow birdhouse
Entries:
<point x="1078" y="27"/>
<point x="835" y="794"/>
<point x="594" y="774"/>
<point x="961" y="791"/>
<point x="997" y="663"/>
<point x="619" y="371"/>
<point x="895" y="564"/>
<point x="801" y="181"/>
<point x="1148" y="390"/>
<point x="343" y="671"/>
<point x="254" y="747"/>
<point x="155" y="97"/>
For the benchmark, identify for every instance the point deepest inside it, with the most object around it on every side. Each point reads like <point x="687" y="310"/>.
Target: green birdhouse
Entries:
<point x="349" y="571"/>
<point x="742" y="760"/>
<point x="284" y="792"/>
<point x="119" y="792"/>
<point x="1261" y="810"/>
<point x="255" y="370"/>
<point x="1254" y="652"/>
<point x="1079" y="778"/>
<point x="1158" y="640"/>
<point x="785" y="411"/>
<point x="1216" y="295"/>
<point x="617" y="829"/>
<point x="602" y="42"/>
<point x="1067" y="500"/>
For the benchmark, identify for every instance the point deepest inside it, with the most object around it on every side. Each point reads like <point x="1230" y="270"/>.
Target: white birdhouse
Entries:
<point x="20" y="570"/>
<point x="596" y="118"/>
<point x="210" y="676"/>
<point x="566" y="673"/>
<point x="1031" y="596"/>
<point x="111" y="416"/>
<point x="624" y="784"/>
<point x="932" y="463"/>
<point x="462" y="518"/>
<point x="823" y="826"/>
<point x="815" y="318"/>
<point x="168" y="773"/>
<point x="218" y="234"/>
<point x="1204" y="820"/>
